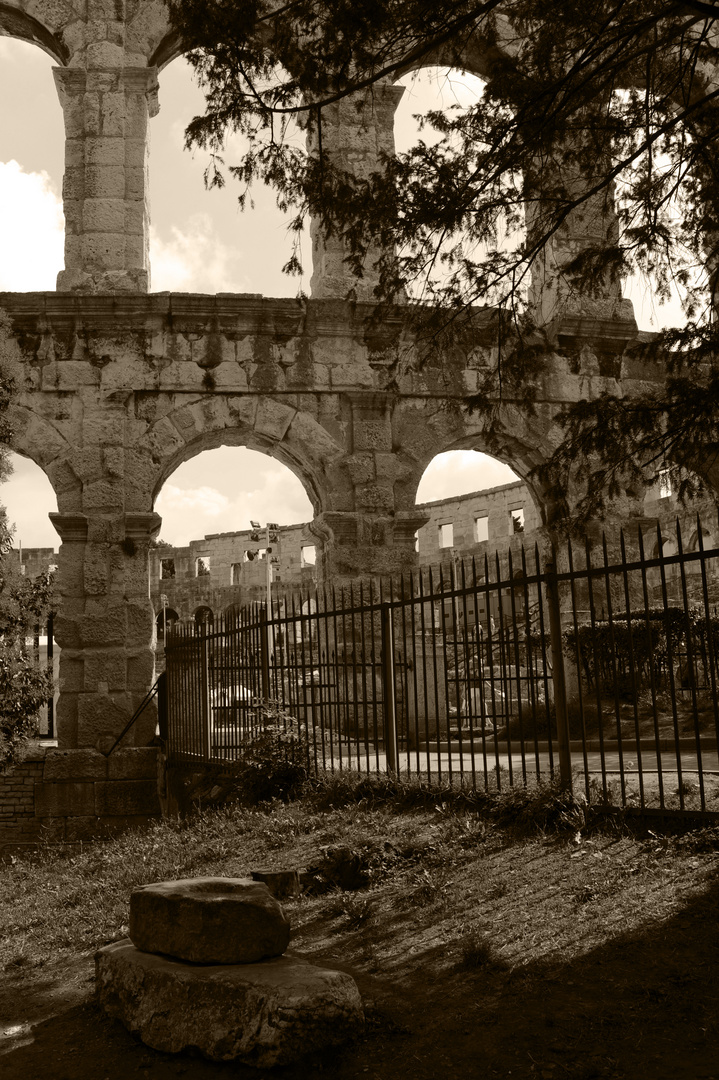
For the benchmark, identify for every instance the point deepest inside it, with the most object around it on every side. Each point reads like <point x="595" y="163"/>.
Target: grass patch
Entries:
<point x="455" y="914"/>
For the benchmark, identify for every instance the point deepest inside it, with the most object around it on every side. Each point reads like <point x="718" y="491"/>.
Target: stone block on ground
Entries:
<point x="281" y="883"/>
<point x="209" y="920"/>
<point x="264" y="1014"/>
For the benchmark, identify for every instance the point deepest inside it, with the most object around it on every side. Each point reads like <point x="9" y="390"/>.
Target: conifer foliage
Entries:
<point x="594" y="136"/>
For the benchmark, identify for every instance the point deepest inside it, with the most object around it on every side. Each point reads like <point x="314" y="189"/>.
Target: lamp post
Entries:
<point x="272" y="536"/>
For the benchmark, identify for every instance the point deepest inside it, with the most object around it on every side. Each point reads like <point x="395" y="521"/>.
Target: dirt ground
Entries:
<point x="593" y="960"/>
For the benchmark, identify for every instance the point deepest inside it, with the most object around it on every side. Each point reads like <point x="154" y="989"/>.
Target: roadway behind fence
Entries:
<point x="597" y="669"/>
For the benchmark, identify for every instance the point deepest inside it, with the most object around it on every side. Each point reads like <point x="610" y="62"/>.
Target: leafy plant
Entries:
<point x="24" y="604"/>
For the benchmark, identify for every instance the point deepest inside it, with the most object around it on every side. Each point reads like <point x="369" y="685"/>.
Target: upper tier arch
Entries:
<point x="33" y="22"/>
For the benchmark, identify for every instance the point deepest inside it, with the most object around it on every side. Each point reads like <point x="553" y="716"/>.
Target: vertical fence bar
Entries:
<point x="388" y="689"/>
<point x="615" y="677"/>
<point x="632" y="667"/>
<point x="205" y="703"/>
<point x="709" y="629"/>
<point x="467" y="682"/>
<point x="692" y="671"/>
<point x="529" y="666"/>
<point x="545" y="663"/>
<point x="50" y="658"/>
<point x="505" y="681"/>
<point x="514" y="647"/>
<point x="597" y="670"/>
<point x="652" y="671"/>
<point x="558" y="677"/>
<point x="670" y="665"/>
<point x="490" y="657"/>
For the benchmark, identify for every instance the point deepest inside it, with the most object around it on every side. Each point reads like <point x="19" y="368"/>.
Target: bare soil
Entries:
<point x="477" y="955"/>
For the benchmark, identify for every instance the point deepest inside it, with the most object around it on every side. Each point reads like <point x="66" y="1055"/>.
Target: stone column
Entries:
<point x="553" y="294"/>
<point x="369" y="523"/>
<point x="105" y="627"/>
<point x="105" y="191"/>
<point x="353" y="138"/>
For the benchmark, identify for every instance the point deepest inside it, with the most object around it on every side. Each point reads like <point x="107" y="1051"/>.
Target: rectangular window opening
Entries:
<point x="516" y="521"/>
<point x="446" y="535"/>
<point x="202" y="566"/>
<point x="481" y="528"/>
<point x="167" y="569"/>
<point x="308" y="555"/>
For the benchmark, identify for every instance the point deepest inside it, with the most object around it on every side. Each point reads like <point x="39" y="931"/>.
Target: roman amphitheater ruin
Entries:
<point x="117" y="386"/>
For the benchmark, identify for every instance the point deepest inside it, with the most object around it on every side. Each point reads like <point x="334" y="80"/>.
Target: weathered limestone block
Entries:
<point x="123" y="798"/>
<point x="209" y="920"/>
<point x="264" y="1014"/>
<point x="74" y="765"/>
<point x="64" y="800"/>
<point x="133" y="763"/>
<point x="281" y="883"/>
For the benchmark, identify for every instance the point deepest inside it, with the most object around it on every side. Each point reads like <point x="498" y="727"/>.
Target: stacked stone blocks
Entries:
<point x="68" y="796"/>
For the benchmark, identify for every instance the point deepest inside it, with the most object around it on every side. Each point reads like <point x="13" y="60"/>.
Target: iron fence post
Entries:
<point x="388" y="690"/>
<point x="265" y="654"/>
<point x="162" y="721"/>
<point x="205" y="704"/>
<point x="558" y="677"/>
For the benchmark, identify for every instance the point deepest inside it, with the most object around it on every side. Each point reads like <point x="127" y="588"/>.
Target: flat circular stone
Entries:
<point x="208" y="920"/>
<point x="265" y="1014"/>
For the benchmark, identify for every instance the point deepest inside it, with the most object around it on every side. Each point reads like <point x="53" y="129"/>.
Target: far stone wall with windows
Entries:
<point x="492" y="508"/>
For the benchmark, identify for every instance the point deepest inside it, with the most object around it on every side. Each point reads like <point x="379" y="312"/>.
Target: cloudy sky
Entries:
<point x="200" y="242"/>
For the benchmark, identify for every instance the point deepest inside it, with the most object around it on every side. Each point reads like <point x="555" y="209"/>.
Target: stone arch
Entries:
<point x="516" y="440"/>
<point x="170" y="617"/>
<point x="167" y="49"/>
<point x="30" y="22"/>
<point x="42" y="441"/>
<point x="271" y="427"/>
<point x="203" y="615"/>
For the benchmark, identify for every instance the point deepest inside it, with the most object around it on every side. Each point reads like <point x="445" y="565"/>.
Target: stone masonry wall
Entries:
<point x="59" y="796"/>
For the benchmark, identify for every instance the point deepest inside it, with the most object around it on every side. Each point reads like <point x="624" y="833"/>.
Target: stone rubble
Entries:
<point x="177" y="982"/>
<point x="209" y="920"/>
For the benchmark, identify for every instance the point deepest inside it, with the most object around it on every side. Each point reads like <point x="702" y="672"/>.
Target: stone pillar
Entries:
<point x="105" y="627"/>
<point x="105" y="190"/>
<point x="553" y="294"/>
<point x="369" y="522"/>
<point x="353" y="138"/>
<point x="362" y="544"/>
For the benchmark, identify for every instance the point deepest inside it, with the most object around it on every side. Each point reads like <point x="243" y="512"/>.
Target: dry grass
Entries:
<point x="461" y="913"/>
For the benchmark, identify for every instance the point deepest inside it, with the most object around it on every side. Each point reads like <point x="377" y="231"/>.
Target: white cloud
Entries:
<point x="244" y="485"/>
<point x="195" y="259"/>
<point x="32" y="228"/>
<point x="459" y="472"/>
<point x="28" y="498"/>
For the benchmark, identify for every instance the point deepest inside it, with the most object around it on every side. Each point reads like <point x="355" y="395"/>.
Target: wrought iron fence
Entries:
<point x="601" y="669"/>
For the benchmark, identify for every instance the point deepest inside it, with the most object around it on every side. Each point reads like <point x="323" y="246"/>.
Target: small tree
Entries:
<point x="24" y="604"/>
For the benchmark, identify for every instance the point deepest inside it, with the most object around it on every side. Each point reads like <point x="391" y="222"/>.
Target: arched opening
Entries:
<point x="166" y="618"/>
<point x="476" y="504"/>
<point x="440" y="255"/>
<point x="200" y="239"/>
<point x="28" y="498"/>
<point x="32" y="140"/>
<point x="234" y="520"/>
<point x="204" y="616"/>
